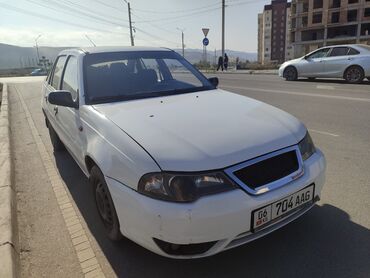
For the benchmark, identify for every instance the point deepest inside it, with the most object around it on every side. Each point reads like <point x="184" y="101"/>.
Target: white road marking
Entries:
<point x="298" y="93"/>
<point x="90" y="266"/>
<point x="324" y="132"/>
<point x="325" y="87"/>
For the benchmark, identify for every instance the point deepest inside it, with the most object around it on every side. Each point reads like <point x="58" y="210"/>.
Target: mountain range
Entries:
<point x="12" y="56"/>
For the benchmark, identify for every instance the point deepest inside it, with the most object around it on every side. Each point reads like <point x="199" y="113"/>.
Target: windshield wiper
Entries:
<point x="142" y="95"/>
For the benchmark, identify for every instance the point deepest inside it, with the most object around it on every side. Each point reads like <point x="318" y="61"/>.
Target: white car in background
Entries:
<point x="350" y="62"/>
<point x="180" y="167"/>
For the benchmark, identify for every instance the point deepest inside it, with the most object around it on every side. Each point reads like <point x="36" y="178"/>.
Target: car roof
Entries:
<point x="103" y="49"/>
<point x="356" y="46"/>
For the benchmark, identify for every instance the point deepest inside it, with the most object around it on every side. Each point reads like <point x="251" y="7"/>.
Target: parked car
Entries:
<point x="350" y="62"/>
<point x="38" y="72"/>
<point x="180" y="167"/>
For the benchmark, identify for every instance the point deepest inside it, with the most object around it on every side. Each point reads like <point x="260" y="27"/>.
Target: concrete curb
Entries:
<point x="246" y="72"/>
<point x="9" y="252"/>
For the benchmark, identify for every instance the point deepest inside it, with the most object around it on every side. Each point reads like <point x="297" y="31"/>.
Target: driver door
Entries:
<point x="313" y="65"/>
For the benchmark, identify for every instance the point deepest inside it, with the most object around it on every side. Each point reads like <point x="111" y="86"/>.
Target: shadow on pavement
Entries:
<point x="322" y="243"/>
<point x="332" y="81"/>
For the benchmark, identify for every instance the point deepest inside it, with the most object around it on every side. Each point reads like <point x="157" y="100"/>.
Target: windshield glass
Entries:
<point x="120" y="76"/>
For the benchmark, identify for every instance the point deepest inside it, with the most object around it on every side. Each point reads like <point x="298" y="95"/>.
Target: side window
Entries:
<point x="339" y="51"/>
<point x="353" y="51"/>
<point x="70" y="79"/>
<point x="319" y="53"/>
<point x="58" y="70"/>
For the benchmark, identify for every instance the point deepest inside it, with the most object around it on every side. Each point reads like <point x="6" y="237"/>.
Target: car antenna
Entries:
<point x="90" y="40"/>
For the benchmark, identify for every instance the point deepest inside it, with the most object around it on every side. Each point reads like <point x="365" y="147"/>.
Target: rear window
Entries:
<point x="353" y="51"/>
<point x="339" y="51"/>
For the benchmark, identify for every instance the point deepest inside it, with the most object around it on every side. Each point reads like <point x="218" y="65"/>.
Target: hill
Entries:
<point x="12" y="56"/>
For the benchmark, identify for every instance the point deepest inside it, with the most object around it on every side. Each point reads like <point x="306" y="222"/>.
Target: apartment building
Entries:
<point x="316" y="23"/>
<point x="274" y="36"/>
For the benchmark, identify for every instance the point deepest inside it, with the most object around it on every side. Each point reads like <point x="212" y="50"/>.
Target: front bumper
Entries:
<point x="281" y="71"/>
<point x="224" y="219"/>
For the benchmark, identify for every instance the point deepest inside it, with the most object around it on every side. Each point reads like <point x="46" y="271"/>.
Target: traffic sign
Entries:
<point x="205" y="31"/>
<point x="205" y="41"/>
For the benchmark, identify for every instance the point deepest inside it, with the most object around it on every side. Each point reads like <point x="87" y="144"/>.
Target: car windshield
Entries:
<point x="118" y="76"/>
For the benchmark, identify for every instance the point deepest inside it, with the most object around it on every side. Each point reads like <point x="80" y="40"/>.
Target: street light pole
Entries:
<point x="37" y="48"/>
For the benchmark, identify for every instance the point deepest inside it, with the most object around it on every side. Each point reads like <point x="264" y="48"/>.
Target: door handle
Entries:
<point x="55" y="110"/>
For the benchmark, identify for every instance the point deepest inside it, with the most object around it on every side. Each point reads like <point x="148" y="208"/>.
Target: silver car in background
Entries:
<point x="350" y="62"/>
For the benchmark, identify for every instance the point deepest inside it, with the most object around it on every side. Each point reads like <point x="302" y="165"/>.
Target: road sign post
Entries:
<point x="205" y="43"/>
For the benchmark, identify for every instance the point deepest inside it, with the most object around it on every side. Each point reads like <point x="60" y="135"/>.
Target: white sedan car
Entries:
<point x="180" y="167"/>
<point x="350" y="62"/>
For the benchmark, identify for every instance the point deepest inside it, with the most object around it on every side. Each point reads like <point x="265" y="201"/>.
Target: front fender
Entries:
<point x="116" y="154"/>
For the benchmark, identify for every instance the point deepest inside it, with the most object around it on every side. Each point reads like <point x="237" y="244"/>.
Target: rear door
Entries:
<point x="337" y="61"/>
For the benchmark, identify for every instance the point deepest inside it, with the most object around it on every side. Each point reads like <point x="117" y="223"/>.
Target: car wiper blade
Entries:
<point x="141" y="95"/>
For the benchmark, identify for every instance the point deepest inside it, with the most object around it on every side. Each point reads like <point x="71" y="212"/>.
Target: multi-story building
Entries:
<point x="316" y="23"/>
<point x="274" y="33"/>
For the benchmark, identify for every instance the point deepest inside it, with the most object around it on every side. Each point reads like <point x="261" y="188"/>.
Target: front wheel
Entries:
<point x="354" y="75"/>
<point x="104" y="204"/>
<point x="290" y="74"/>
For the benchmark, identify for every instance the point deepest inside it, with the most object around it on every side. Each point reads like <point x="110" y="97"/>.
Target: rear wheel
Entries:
<point x="58" y="145"/>
<point x="290" y="74"/>
<point x="354" y="75"/>
<point x="104" y="204"/>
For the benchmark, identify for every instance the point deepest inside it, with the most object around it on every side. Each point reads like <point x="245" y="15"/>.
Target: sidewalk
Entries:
<point x="234" y="71"/>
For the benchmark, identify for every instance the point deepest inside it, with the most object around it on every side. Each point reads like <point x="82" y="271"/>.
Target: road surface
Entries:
<point x="332" y="240"/>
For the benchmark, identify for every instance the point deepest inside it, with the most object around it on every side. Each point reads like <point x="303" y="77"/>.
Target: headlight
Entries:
<point x="179" y="187"/>
<point x="306" y="147"/>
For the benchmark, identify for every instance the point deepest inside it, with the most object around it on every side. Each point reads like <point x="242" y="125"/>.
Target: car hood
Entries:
<point x="291" y="62"/>
<point x="205" y="130"/>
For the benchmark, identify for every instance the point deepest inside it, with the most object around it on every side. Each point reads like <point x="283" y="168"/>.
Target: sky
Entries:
<point x="105" y="22"/>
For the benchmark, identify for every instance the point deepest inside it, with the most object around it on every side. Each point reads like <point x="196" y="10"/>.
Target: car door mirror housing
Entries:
<point x="62" y="98"/>
<point x="214" y="81"/>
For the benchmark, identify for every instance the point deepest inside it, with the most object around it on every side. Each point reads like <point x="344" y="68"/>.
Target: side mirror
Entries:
<point x="305" y="57"/>
<point x="214" y="81"/>
<point x="62" y="98"/>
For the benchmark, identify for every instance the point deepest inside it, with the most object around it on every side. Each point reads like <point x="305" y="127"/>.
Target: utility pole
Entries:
<point x="223" y="29"/>
<point x="182" y="41"/>
<point x="130" y="22"/>
<point x="183" y="46"/>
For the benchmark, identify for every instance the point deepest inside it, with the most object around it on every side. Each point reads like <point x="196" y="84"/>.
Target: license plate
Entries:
<point x="267" y="214"/>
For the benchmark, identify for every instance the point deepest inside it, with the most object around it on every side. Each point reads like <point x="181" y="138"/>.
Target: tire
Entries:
<point x="354" y="75"/>
<point x="290" y="74"/>
<point x="104" y="204"/>
<point x="58" y="145"/>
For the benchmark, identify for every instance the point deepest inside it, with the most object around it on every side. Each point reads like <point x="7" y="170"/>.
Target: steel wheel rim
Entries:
<point x="353" y="75"/>
<point x="103" y="204"/>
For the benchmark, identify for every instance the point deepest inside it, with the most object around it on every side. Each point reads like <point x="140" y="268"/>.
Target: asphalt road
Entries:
<point x="332" y="240"/>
